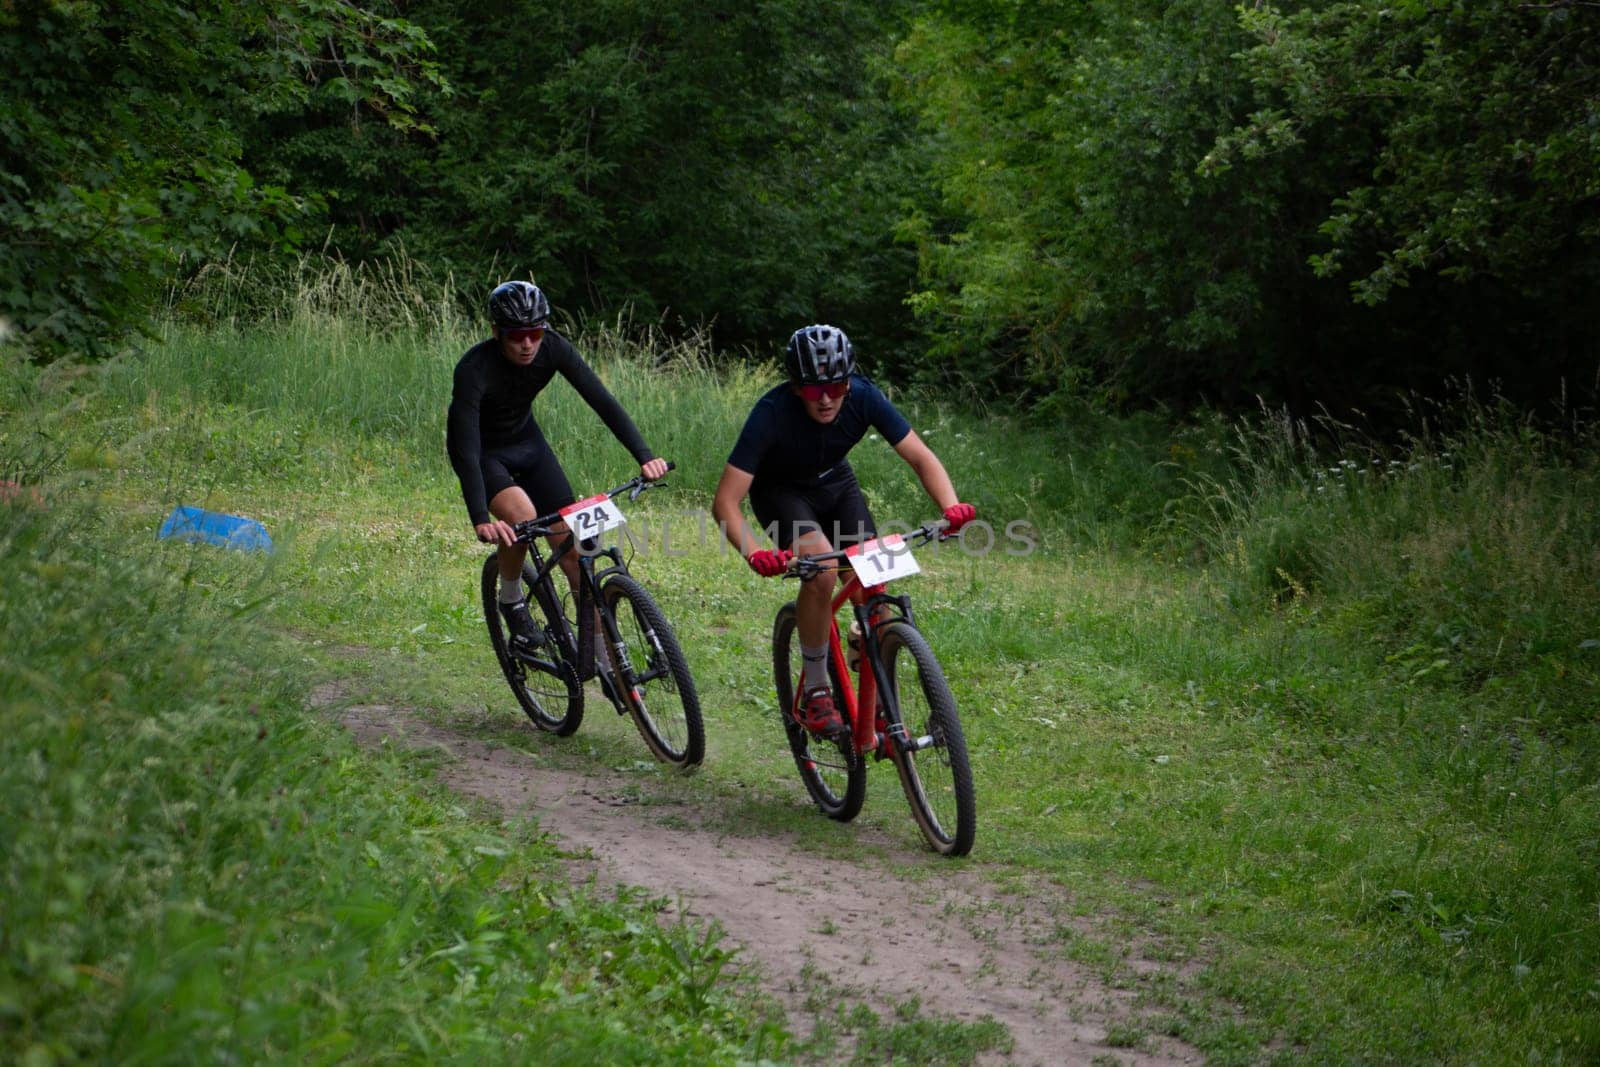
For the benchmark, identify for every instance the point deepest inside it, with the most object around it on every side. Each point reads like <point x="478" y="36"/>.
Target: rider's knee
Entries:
<point x="821" y="587"/>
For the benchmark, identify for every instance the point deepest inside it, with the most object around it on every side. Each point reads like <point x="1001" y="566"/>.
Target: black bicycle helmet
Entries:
<point x="818" y="355"/>
<point x="517" y="306"/>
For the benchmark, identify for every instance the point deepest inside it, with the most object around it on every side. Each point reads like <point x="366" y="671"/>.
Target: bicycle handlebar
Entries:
<point x="543" y="525"/>
<point x="807" y="567"/>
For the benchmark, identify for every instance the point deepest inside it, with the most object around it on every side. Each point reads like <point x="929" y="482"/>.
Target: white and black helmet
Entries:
<point x="518" y="305"/>
<point x="818" y="355"/>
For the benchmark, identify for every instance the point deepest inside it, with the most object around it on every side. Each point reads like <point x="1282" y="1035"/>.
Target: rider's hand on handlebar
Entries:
<point x="769" y="563"/>
<point x="958" y="515"/>
<point x="495" y="532"/>
<point x="656" y="468"/>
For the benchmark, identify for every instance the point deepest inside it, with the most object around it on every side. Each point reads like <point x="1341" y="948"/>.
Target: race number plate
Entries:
<point x="593" y="517"/>
<point x="882" y="560"/>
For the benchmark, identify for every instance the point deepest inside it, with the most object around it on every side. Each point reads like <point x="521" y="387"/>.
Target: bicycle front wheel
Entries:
<point x="662" y="698"/>
<point x="932" y="760"/>
<point x="833" y="771"/>
<point x="542" y="679"/>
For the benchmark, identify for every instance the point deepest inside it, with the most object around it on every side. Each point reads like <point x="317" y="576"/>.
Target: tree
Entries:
<point x="1484" y="151"/>
<point x="1315" y="203"/>
<point x="120" y="146"/>
<point x="1076" y="250"/>
<point x="731" y="164"/>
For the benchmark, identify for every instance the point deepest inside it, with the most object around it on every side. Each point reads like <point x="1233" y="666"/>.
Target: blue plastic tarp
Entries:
<point x="215" y="528"/>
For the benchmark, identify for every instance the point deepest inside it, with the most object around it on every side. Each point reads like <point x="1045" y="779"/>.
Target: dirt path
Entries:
<point x="962" y="948"/>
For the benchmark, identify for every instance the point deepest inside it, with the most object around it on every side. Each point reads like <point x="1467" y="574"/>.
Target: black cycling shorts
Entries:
<point x="836" y="509"/>
<point x="533" y="467"/>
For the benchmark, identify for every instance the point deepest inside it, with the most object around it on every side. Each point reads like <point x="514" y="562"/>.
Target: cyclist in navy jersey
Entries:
<point x="790" y="460"/>
<point x="507" y="471"/>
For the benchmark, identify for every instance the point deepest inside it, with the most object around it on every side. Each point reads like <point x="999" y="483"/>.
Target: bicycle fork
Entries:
<point x="592" y="612"/>
<point x="884" y="734"/>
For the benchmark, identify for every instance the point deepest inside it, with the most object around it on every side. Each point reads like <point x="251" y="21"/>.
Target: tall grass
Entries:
<point x="390" y="296"/>
<point x="361" y="348"/>
<point x="372" y="349"/>
<point x="1471" y="553"/>
<point x="198" y="868"/>
<point x="1465" y="552"/>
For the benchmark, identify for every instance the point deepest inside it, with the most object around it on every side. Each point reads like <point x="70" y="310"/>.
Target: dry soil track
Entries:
<point x="954" y="942"/>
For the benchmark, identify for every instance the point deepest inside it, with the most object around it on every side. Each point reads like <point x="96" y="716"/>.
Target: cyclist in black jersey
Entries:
<point x="790" y="460"/>
<point x="507" y="471"/>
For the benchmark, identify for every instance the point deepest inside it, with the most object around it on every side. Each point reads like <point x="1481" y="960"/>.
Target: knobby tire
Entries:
<point x="834" y="773"/>
<point x="666" y="709"/>
<point x="938" y="779"/>
<point x="543" y="679"/>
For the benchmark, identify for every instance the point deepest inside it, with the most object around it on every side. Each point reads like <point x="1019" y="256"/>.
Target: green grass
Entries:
<point x="195" y="862"/>
<point x="842" y="1021"/>
<point x="1352" y="805"/>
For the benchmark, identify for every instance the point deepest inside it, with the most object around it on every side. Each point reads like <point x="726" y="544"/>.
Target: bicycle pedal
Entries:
<point x="836" y="735"/>
<point x="525" y="643"/>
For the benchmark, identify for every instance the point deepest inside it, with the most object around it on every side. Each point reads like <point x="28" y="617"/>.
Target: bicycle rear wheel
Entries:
<point x="662" y="699"/>
<point x="833" y="771"/>
<point x="543" y="680"/>
<point x="933" y="765"/>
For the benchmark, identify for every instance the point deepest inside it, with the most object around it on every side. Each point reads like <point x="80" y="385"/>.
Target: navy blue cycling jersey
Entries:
<point x="491" y="409"/>
<point x="782" y="445"/>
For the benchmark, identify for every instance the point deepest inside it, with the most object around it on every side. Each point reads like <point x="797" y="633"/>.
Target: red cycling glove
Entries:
<point x="958" y="515"/>
<point x="767" y="563"/>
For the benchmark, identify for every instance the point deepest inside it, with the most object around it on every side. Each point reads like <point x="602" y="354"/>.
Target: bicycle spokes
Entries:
<point x="931" y="754"/>
<point x="542" y="681"/>
<point x="833" y="772"/>
<point x="661" y="697"/>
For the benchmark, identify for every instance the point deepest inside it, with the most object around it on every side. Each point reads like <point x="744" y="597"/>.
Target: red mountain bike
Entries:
<point x="899" y="706"/>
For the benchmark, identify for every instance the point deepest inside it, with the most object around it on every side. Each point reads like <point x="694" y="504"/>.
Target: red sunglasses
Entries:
<point x="832" y="390"/>
<point x="531" y="333"/>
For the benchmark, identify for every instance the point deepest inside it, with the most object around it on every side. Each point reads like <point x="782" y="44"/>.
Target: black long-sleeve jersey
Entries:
<point x="491" y="407"/>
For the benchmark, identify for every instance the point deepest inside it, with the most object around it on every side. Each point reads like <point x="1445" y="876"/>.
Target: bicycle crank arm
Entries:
<point x="648" y="676"/>
<point x="891" y="740"/>
<point x="904" y="742"/>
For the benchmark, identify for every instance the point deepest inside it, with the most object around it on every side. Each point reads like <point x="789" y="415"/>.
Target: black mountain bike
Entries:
<point x="647" y="676"/>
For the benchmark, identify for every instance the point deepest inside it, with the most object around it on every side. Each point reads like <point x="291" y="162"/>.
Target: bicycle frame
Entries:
<point x="589" y="601"/>
<point x="872" y="608"/>
<point x="587" y="593"/>
<point x="864" y="599"/>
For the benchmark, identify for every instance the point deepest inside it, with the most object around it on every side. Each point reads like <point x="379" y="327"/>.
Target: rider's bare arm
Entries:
<point x="726" y="508"/>
<point x="930" y="472"/>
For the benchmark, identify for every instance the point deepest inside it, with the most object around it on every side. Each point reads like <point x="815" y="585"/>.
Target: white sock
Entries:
<point x="510" y="592"/>
<point x="816" y="666"/>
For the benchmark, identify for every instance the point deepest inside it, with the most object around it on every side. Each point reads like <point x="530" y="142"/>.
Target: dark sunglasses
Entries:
<point x="531" y="333"/>
<point x="832" y="390"/>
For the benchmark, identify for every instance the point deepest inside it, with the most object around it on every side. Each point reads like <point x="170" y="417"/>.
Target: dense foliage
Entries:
<point x="1132" y="202"/>
<point x="1172" y="200"/>
<point x="690" y="163"/>
<point x="120" y="142"/>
